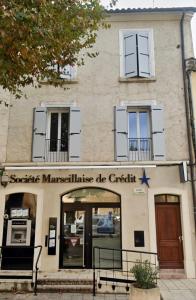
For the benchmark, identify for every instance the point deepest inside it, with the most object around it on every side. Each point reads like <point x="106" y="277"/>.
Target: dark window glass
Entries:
<point x="54" y="132"/>
<point x="133" y="141"/>
<point x="64" y="131"/>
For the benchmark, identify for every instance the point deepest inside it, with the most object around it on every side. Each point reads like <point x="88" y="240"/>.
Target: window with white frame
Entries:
<point x="139" y="133"/>
<point x="67" y="72"/>
<point x="56" y="134"/>
<point x="136" y="53"/>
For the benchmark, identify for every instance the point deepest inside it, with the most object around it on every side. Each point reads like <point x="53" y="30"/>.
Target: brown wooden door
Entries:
<point x="169" y="236"/>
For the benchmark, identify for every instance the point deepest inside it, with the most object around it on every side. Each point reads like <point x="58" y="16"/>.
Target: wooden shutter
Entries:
<point x="158" y="135"/>
<point x="39" y="134"/>
<point x="130" y="55"/>
<point x="74" y="134"/>
<point x="143" y="54"/>
<point x="121" y="133"/>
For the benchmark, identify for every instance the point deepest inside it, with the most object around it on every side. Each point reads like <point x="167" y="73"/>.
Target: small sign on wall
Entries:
<point x="52" y="236"/>
<point x="139" y="190"/>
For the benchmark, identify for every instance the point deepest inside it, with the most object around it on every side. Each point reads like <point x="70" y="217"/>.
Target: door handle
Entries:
<point x="180" y="238"/>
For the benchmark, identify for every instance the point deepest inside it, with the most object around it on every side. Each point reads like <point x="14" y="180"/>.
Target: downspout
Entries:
<point x="192" y="118"/>
<point x="188" y="123"/>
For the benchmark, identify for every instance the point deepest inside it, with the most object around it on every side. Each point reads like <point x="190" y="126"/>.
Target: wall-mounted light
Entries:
<point x="4" y="179"/>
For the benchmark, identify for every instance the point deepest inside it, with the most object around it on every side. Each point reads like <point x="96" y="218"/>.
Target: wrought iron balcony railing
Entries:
<point x="56" y="150"/>
<point x="140" y="149"/>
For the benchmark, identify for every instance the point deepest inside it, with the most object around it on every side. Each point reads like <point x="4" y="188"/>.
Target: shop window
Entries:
<point x="139" y="133"/>
<point x="136" y="53"/>
<point x="56" y="134"/>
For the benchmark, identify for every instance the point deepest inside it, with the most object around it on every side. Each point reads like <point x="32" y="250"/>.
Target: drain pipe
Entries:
<point x="187" y="111"/>
<point x="192" y="117"/>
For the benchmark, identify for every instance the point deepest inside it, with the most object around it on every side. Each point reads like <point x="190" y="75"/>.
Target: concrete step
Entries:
<point x="16" y="285"/>
<point x="60" y="281"/>
<point x="64" y="288"/>
<point x="172" y="274"/>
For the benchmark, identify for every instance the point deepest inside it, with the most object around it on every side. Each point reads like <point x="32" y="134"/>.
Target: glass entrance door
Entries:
<point x="73" y="238"/>
<point x="90" y="217"/>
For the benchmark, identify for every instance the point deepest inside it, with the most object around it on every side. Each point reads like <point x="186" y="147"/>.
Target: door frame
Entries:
<point x="186" y="219"/>
<point x="170" y="204"/>
<point x="87" y="207"/>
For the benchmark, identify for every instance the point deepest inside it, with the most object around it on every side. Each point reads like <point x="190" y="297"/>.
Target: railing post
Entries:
<point x="36" y="268"/>
<point x="94" y="290"/>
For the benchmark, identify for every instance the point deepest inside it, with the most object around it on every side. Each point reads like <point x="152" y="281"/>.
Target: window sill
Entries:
<point x="137" y="79"/>
<point x="59" y="81"/>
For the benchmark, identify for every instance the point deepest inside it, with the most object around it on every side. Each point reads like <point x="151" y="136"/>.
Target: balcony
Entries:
<point x="140" y="149"/>
<point x="56" y="150"/>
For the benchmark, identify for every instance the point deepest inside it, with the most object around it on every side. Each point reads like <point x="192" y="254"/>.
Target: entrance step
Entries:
<point x="172" y="274"/>
<point x="15" y="281"/>
<point x="65" y="285"/>
<point x="5" y="274"/>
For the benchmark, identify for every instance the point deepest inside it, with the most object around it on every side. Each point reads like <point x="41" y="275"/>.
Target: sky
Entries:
<point x="159" y="3"/>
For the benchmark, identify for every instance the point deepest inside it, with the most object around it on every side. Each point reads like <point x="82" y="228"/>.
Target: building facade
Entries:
<point x="97" y="164"/>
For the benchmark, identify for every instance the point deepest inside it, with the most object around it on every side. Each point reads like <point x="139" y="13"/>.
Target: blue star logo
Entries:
<point x="144" y="179"/>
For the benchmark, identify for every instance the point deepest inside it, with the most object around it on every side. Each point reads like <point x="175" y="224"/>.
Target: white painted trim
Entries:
<point x="151" y="48"/>
<point x="39" y="212"/>
<point x="62" y="104"/>
<point x="187" y="233"/>
<point x="138" y="103"/>
<point x="79" y="167"/>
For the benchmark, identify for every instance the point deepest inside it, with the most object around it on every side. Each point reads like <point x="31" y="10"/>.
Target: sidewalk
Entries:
<point x="174" y="289"/>
<point x="178" y="289"/>
<point x="57" y="296"/>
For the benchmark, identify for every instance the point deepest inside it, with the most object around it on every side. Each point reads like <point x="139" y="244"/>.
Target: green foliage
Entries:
<point x="34" y="33"/>
<point x="145" y="275"/>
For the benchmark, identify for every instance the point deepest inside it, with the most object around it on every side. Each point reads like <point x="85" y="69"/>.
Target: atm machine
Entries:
<point x="18" y="254"/>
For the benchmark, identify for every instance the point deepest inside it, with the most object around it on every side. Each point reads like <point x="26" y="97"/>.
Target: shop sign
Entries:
<point x="73" y="178"/>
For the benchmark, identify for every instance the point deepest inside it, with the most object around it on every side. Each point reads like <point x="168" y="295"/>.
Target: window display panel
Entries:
<point x="106" y="234"/>
<point x="73" y="238"/>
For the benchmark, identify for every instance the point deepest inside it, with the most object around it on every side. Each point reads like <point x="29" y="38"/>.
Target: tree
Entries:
<point x="37" y="33"/>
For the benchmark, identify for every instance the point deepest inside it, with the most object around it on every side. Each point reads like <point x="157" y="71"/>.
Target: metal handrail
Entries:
<point x="36" y="263"/>
<point x="140" y="148"/>
<point x="112" y="269"/>
<point x="36" y="268"/>
<point x="56" y="150"/>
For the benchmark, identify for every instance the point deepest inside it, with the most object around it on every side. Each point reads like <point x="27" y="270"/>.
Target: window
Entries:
<point x="56" y="134"/>
<point x="67" y="72"/>
<point x="139" y="139"/>
<point x="139" y="133"/>
<point x="136" y="53"/>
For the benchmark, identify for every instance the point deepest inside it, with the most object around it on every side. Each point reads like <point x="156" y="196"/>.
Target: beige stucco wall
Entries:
<point x="4" y="119"/>
<point x="136" y="209"/>
<point x="98" y="90"/>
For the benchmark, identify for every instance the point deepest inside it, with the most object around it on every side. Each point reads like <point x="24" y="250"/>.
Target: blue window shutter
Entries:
<point x="130" y="55"/>
<point x="121" y="133"/>
<point x="39" y="134"/>
<point x="143" y="54"/>
<point x="74" y="134"/>
<point x="158" y="133"/>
